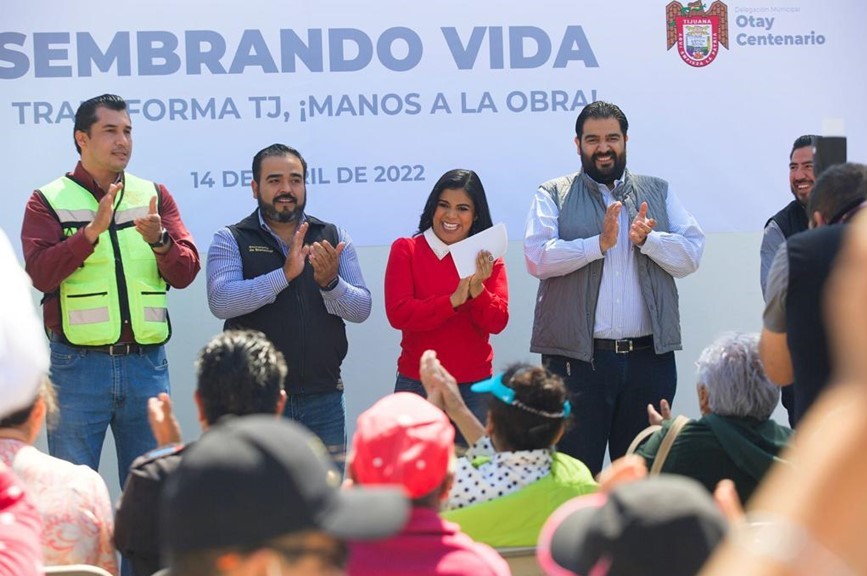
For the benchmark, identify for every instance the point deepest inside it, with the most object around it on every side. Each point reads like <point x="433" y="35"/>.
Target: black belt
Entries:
<point x="119" y="349"/>
<point x="624" y="345"/>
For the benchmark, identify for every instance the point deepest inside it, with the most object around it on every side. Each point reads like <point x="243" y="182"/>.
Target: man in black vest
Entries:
<point x="793" y="218"/>
<point x="295" y="278"/>
<point x="790" y="220"/>
<point x="794" y="345"/>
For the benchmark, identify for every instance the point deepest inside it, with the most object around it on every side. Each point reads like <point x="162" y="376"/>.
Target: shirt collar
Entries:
<point x="88" y="182"/>
<point x="604" y="188"/>
<point x="440" y="248"/>
<point x="264" y="225"/>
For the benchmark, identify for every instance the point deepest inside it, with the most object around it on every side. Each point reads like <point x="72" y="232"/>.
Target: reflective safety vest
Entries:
<point x="120" y="280"/>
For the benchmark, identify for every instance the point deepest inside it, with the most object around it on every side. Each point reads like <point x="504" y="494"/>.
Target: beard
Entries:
<point x="284" y="216"/>
<point x="604" y="175"/>
<point x="797" y="195"/>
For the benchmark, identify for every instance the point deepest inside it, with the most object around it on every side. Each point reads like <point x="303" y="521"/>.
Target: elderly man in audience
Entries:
<point x="511" y="478"/>
<point x="735" y="437"/>
<point x="403" y="440"/>
<point x="73" y="500"/>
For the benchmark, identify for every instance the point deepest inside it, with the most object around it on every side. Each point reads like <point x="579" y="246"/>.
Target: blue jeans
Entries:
<point x="609" y="399"/>
<point x="477" y="403"/>
<point x="324" y="414"/>
<point x="95" y="390"/>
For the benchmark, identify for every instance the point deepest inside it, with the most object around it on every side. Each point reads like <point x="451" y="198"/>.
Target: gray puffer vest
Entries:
<point x="566" y="305"/>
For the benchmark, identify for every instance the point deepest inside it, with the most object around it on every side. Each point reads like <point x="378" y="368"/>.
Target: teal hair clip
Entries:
<point x="494" y="386"/>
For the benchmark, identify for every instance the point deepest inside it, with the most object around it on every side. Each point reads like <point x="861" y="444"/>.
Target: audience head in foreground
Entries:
<point x="529" y="409"/>
<point x="73" y="501"/>
<point x="735" y="438"/>
<point x="663" y="526"/>
<point x="23" y="365"/>
<point x="23" y="349"/>
<point x="258" y="495"/>
<point x="511" y="478"/>
<point x="732" y="381"/>
<point x="238" y="372"/>
<point x="403" y="440"/>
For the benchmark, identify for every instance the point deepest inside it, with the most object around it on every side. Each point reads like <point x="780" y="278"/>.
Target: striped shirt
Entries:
<point x="231" y="295"/>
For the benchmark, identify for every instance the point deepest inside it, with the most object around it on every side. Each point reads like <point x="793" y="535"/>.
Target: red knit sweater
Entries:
<point x="417" y="290"/>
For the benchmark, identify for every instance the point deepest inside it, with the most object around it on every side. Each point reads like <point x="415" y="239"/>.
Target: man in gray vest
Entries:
<point x="606" y="246"/>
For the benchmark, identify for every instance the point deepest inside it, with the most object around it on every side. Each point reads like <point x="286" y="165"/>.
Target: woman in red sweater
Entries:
<point x="434" y="308"/>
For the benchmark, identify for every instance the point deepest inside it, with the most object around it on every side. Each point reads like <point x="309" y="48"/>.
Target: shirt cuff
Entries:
<point x="337" y="292"/>
<point x="277" y="280"/>
<point x="650" y="243"/>
<point x="80" y="246"/>
<point x="592" y="250"/>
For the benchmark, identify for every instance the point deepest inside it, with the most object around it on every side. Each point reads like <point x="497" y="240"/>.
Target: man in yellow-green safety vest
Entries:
<point x="104" y="247"/>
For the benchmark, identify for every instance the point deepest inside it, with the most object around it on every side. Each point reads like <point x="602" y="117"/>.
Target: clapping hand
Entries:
<point x="641" y="226"/>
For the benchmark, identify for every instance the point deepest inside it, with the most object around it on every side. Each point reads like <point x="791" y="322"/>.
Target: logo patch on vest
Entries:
<point x="264" y="249"/>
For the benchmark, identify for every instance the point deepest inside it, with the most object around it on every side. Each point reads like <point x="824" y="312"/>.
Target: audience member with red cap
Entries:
<point x="663" y="526"/>
<point x="403" y="440"/>
<point x="512" y="478"/>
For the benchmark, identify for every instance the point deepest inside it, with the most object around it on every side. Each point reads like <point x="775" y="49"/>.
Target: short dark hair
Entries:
<point x="239" y="372"/>
<point x="466" y="180"/>
<point x="838" y="190"/>
<point x="802" y="142"/>
<point x="600" y="109"/>
<point x="48" y="394"/>
<point x="85" y="116"/>
<point x="19" y="417"/>
<point x="537" y="388"/>
<point x="275" y="150"/>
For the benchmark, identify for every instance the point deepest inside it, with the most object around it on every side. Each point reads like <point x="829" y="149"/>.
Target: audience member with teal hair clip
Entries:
<point x="512" y="476"/>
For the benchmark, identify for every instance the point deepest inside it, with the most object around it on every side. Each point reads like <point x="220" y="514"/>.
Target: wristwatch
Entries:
<point x="163" y="240"/>
<point x="331" y="285"/>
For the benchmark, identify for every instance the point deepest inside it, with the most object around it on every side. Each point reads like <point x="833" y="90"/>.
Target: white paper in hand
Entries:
<point x="495" y="240"/>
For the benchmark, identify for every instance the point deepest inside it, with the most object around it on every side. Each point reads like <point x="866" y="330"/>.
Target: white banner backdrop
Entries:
<point x="383" y="97"/>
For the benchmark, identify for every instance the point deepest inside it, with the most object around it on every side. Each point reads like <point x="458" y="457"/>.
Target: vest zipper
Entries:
<point x="120" y="276"/>
<point x="303" y="313"/>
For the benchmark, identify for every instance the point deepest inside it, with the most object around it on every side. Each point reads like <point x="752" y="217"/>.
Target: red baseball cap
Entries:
<point x="403" y="440"/>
